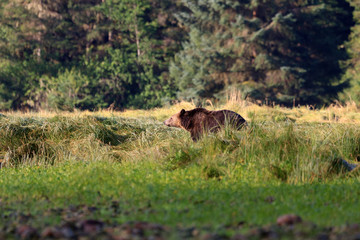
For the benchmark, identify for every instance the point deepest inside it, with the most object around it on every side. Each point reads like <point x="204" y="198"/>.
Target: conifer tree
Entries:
<point x="138" y="57"/>
<point x="18" y="55"/>
<point x="352" y="66"/>
<point x="280" y="50"/>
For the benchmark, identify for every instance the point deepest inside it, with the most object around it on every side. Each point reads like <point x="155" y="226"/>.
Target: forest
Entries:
<point x="116" y="54"/>
<point x="85" y="88"/>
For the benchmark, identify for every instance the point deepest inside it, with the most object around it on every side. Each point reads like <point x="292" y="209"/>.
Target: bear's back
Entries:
<point x="213" y="120"/>
<point x="223" y="117"/>
<point x="198" y="120"/>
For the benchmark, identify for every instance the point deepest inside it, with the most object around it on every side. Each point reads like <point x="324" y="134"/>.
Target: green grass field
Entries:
<point x="140" y="179"/>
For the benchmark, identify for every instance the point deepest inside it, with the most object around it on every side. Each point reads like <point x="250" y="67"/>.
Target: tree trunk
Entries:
<point x="137" y="36"/>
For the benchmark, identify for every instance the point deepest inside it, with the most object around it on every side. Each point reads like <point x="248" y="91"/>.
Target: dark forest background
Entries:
<point x="57" y="54"/>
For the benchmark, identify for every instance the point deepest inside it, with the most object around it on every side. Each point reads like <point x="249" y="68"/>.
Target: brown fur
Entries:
<point x="198" y="120"/>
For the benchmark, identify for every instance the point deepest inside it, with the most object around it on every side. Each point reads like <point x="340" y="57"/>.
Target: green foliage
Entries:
<point x="352" y="65"/>
<point x="12" y="90"/>
<point x="279" y="51"/>
<point x="137" y="62"/>
<point x="213" y="172"/>
<point x="180" y="157"/>
<point x="118" y="52"/>
<point x="122" y="52"/>
<point x="64" y="92"/>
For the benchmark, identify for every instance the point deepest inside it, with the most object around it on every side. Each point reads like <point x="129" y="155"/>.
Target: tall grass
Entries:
<point x="276" y="146"/>
<point x="285" y="161"/>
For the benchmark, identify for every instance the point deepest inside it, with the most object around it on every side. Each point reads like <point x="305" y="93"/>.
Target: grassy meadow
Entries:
<point x="140" y="179"/>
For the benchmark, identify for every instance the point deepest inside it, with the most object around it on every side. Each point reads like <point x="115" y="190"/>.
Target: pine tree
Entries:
<point x="280" y="50"/>
<point x="352" y="66"/>
<point x="137" y="59"/>
<point x="18" y="56"/>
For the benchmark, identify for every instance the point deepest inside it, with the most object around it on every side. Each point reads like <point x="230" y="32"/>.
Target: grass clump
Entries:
<point x="34" y="140"/>
<point x="215" y="172"/>
<point x="181" y="157"/>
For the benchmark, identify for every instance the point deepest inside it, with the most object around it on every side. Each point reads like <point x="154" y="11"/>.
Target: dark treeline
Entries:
<point x="91" y="54"/>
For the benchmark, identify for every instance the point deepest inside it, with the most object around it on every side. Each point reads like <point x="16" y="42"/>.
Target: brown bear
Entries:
<point x="198" y="120"/>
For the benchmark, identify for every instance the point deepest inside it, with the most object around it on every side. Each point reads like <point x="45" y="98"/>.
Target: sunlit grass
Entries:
<point x="181" y="197"/>
<point x="348" y="113"/>
<point x="52" y="160"/>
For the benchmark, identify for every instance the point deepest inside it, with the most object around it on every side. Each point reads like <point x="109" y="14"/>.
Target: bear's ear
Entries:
<point x="182" y="112"/>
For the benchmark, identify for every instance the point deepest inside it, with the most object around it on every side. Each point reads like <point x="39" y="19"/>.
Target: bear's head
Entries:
<point x="175" y="120"/>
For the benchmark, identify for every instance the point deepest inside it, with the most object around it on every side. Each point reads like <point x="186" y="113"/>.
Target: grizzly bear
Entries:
<point x="198" y="120"/>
